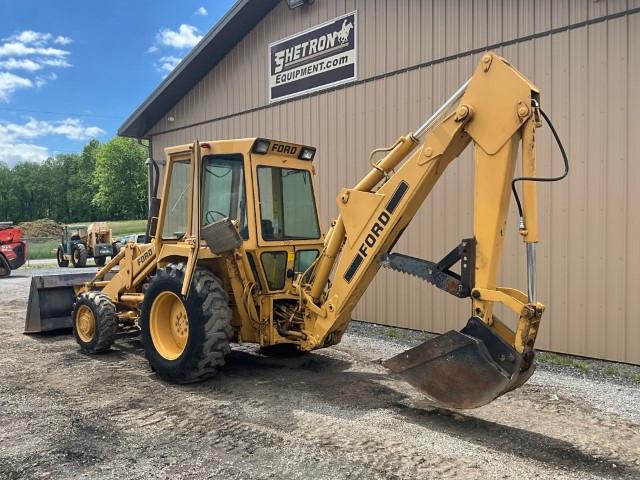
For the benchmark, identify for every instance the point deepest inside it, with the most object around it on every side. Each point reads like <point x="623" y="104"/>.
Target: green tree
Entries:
<point x="121" y="179"/>
<point x="30" y="191"/>
<point x="59" y="172"/>
<point x="6" y="192"/>
<point x="83" y="186"/>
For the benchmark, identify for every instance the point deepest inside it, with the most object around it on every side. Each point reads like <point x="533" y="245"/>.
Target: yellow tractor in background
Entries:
<point x="237" y="254"/>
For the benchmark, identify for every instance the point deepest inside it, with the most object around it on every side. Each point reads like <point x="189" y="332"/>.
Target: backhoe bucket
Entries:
<point x="51" y="300"/>
<point x="465" y="369"/>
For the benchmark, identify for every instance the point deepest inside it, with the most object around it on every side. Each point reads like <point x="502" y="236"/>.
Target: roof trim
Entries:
<point x="230" y="29"/>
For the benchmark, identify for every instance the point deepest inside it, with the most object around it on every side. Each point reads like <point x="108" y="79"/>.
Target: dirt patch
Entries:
<point x="331" y="414"/>
<point x="42" y="228"/>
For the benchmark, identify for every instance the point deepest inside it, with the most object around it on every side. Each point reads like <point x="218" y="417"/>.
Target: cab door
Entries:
<point x="286" y="216"/>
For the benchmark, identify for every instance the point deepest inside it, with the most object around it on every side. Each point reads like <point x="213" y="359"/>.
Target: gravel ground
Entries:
<point x="331" y="414"/>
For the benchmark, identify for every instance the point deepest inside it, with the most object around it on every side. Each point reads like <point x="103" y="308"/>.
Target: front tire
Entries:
<point x="95" y="323"/>
<point x="5" y="268"/>
<point x="62" y="262"/>
<point x="185" y="339"/>
<point x="79" y="255"/>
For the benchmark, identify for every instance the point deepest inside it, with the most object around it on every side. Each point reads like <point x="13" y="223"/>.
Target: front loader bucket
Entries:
<point x="51" y="300"/>
<point x="465" y="369"/>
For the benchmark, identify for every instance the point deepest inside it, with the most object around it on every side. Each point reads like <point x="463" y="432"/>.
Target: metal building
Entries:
<point x="408" y="57"/>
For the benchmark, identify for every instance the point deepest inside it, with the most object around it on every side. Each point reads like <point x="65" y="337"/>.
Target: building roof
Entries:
<point x="232" y="27"/>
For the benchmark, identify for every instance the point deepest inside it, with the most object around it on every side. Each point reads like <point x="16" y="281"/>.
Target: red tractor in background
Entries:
<point x="13" y="250"/>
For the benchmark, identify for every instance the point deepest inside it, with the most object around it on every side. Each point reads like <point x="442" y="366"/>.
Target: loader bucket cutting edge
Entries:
<point x="466" y="369"/>
<point x="51" y="300"/>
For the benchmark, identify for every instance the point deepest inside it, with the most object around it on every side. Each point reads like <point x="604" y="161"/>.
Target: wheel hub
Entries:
<point x="169" y="325"/>
<point x="85" y="323"/>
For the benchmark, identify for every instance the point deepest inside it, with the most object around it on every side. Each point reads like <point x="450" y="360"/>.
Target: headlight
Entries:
<point x="307" y="153"/>
<point x="298" y="3"/>
<point x="260" y="146"/>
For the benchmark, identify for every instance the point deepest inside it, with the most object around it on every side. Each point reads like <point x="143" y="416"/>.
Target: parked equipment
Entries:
<point x="13" y="250"/>
<point x="133" y="237"/>
<point x="80" y="243"/>
<point x="237" y="253"/>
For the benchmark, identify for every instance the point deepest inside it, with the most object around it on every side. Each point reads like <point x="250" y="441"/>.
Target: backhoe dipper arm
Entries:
<point x="496" y="109"/>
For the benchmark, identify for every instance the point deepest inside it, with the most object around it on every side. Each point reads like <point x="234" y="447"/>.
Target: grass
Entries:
<point x="125" y="227"/>
<point x="392" y="332"/>
<point x="46" y="248"/>
<point x="557" y="359"/>
<point x="599" y="367"/>
<point x="396" y="333"/>
<point x="37" y="249"/>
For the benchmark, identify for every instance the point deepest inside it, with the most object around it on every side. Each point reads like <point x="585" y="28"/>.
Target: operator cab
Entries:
<point x="266" y="186"/>
<point x="73" y="233"/>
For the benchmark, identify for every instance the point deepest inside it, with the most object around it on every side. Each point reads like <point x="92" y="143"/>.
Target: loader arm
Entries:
<point x="496" y="110"/>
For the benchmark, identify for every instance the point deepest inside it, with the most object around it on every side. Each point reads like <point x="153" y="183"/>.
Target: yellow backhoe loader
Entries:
<point x="237" y="255"/>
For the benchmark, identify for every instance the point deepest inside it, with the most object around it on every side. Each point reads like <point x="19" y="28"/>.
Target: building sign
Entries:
<point x="318" y="58"/>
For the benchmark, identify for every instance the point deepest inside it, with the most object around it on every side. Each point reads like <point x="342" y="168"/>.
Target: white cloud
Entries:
<point x="31" y="52"/>
<point x="167" y="64"/>
<point x="20" y="64"/>
<point x="40" y="81"/>
<point x="17" y="49"/>
<point x="13" y="153"/>
<point x="31" y="37"/>
<point x="62" y="40"/>
<point x="202" y="12"/>
<point x="186" y="36"/>
<point x="71" y="128"/>
<point x="9" y="83"/>
<point x="54" y="62"/>
<point x="152" y="49"/>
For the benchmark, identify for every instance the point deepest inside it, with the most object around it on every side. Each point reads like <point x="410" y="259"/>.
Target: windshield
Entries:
<point x="175" y="223"/>
<point x="223" y="192"/>
<point x="287" y="204"/>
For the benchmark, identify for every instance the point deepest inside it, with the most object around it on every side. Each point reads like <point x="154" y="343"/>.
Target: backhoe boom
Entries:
<point x="496" y="110"/>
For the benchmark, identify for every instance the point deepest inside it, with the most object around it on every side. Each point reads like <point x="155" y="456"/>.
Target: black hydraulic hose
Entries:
<point x="542" y="179"/>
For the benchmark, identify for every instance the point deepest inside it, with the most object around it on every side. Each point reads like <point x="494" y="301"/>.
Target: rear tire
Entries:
<point x="79" y="255"/>
<point x="95" y="323"/>
<point x="5" y="268"/>
<point x="62" y="262"/>
<point x="100" y="261"/>
<point x="192" y="354"/>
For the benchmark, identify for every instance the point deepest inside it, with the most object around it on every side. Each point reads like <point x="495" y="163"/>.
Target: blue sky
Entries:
<point x="71" y="70"/>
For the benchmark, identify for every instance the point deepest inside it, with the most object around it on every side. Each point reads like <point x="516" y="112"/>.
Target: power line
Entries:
<point x="59" y="113"/>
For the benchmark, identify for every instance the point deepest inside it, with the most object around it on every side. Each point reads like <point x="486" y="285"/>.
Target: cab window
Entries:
<point x="223" y="190"/>
<point x="175" y="222"/>
<point x="287" y="204"/>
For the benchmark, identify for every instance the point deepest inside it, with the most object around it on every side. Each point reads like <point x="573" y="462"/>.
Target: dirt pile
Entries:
<point x="43" y="227"/>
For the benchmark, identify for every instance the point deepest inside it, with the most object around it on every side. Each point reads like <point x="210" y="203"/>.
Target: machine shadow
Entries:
<point x="515" y="441"/>
<point x="331" y="381"/>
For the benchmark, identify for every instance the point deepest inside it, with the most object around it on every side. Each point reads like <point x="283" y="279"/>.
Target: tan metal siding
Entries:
<point x="390" y="38"/>
<point x="589" y="264"/>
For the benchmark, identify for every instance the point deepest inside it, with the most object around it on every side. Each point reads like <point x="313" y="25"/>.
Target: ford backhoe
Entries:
<point x="236" y="253"/>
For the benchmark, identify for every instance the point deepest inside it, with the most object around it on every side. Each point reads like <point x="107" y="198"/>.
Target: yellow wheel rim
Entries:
<point x="169" y="325"/>
<point x="85" y="323"/>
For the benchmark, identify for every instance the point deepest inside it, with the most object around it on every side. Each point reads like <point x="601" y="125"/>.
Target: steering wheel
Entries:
<point x="210" y="216"/>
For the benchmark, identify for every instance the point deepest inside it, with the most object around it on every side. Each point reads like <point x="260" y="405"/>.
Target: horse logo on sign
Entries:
<point x="343" y="34"/>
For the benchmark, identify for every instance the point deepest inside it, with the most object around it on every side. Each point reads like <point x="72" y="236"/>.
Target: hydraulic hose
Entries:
<point x="542" y="179"/>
